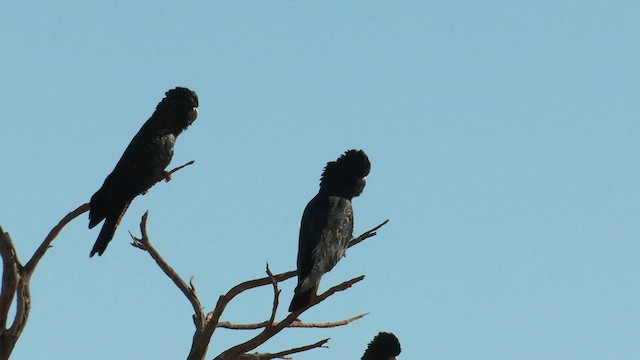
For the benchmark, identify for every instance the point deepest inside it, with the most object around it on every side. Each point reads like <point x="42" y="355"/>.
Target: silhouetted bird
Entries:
<point x="142" y="163"/>
<point x="327" y="223"/>
<point x="384" y="346"/>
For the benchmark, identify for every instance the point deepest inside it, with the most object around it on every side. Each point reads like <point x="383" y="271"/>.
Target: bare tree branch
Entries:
<point x="214" y="316"/>
<point x="206" y="325"/>
<point x="12" y="282"/>
<point x="201" y="339"/>
<point x="280" y="277"/>
<point x="282" y="354"/>
<point x="367" y="234"/>
<point x="276" y="297"/>
<point x="166" y="175"/>
<point x="16" y="278"/>
<point x="144" y="244"/>
<point x="15" y="282"/>
<point x="46" y="244"/>
<point x="236" y="351"/>
<point x="178" y="168"/>
<point x="192" y="284"/>
<point x="295" y="324"/>
<point x="11" y="268"/>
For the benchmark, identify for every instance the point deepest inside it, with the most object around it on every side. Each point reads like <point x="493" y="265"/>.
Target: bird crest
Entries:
<point x="178" y="97"/>
<point x="383" y="346"/>
<point x="351" y="166"/>
<point x="177" y="110"/>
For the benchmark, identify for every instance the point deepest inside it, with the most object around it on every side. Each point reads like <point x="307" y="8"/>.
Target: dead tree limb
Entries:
<point x="144" y="244"/>
<point x="295" y="324"/>
<point x="15" y="282"/>
<point x="16" y="277"/>
<point x="367" y="234"/>
<point x="276" y="299"/>
<point x="170" y="172"/>
<point x="240" y="349"/>
<point x="207" y="324"/>
<point x="282" y="354"/>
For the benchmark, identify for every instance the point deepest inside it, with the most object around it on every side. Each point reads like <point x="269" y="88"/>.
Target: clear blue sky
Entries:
<point x="504" y="140"/>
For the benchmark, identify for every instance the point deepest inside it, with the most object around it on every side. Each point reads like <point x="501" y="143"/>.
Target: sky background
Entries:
<point x="504" y="145"/>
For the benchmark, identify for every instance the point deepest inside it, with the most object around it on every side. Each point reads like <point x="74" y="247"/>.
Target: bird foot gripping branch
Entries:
<point x="167" y="176"/>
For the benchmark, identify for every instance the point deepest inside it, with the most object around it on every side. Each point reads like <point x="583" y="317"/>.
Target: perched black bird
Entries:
<point x="384" y="346"/>
<point x="327" y="223"/>
<point x="142" y="163"/>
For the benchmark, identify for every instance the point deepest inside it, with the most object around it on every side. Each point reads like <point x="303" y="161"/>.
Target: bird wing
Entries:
<point x="148" y="154"/>
<point x="327" y="227"/>
<point x="142" y="162"/>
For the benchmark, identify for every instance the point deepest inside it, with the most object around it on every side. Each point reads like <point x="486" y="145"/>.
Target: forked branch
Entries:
<point x="15" y="282"/>
<point x="207" y="324"/>
<point x="240" y="349"/>
<point x="16" y="277"/>
<point x="294" y="324"/>
<point x="188" y="291"/>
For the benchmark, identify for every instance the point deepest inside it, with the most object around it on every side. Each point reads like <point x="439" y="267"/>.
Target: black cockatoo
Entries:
<point x="327" y="223"/>
<point x="384" y="346"/>
<point x="142" y="163"/>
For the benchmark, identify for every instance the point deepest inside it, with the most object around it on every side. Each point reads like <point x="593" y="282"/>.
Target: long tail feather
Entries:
<point x="105" y="236"/>
<point x="302" y="299"/>
<point x="106" y="233"/>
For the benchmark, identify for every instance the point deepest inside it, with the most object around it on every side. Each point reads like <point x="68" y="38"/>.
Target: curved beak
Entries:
<point x="193" y="115"/>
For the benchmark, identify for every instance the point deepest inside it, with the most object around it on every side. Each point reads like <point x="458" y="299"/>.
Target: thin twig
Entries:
<point x="367" y="234"/>
<point x="180" y="167"/>
<point x="192" y="283"/>
<point x="247" y="285"/>
<point x="202" y="338"/>
<point x="144" y="244"/>
<point x="283" y="354"/>
<point x="46" y="244"/>
<point x="294" y="324"/>
<point x="276" y="296"/>
<point x="206" y="325"/>
<point x="166" y="175"/>
<point x="269" y="332"/>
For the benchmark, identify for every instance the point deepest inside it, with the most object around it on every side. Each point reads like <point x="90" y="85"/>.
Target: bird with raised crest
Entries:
<point x="327" y="223"/>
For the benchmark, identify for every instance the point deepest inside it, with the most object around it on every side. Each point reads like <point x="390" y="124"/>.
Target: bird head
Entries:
<point x="346" y="176"/>
<point x="179" y="108"/>
<point x="384" y="346"/>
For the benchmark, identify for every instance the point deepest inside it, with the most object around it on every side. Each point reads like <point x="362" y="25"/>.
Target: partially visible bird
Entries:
<point x="327" y="223"/>
<point x="384" y="346"/>
<point x="142" y="163"/>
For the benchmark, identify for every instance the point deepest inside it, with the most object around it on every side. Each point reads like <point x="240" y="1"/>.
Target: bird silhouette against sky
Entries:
<point x="143" y="162"/>
<point x="327" y="223"/>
